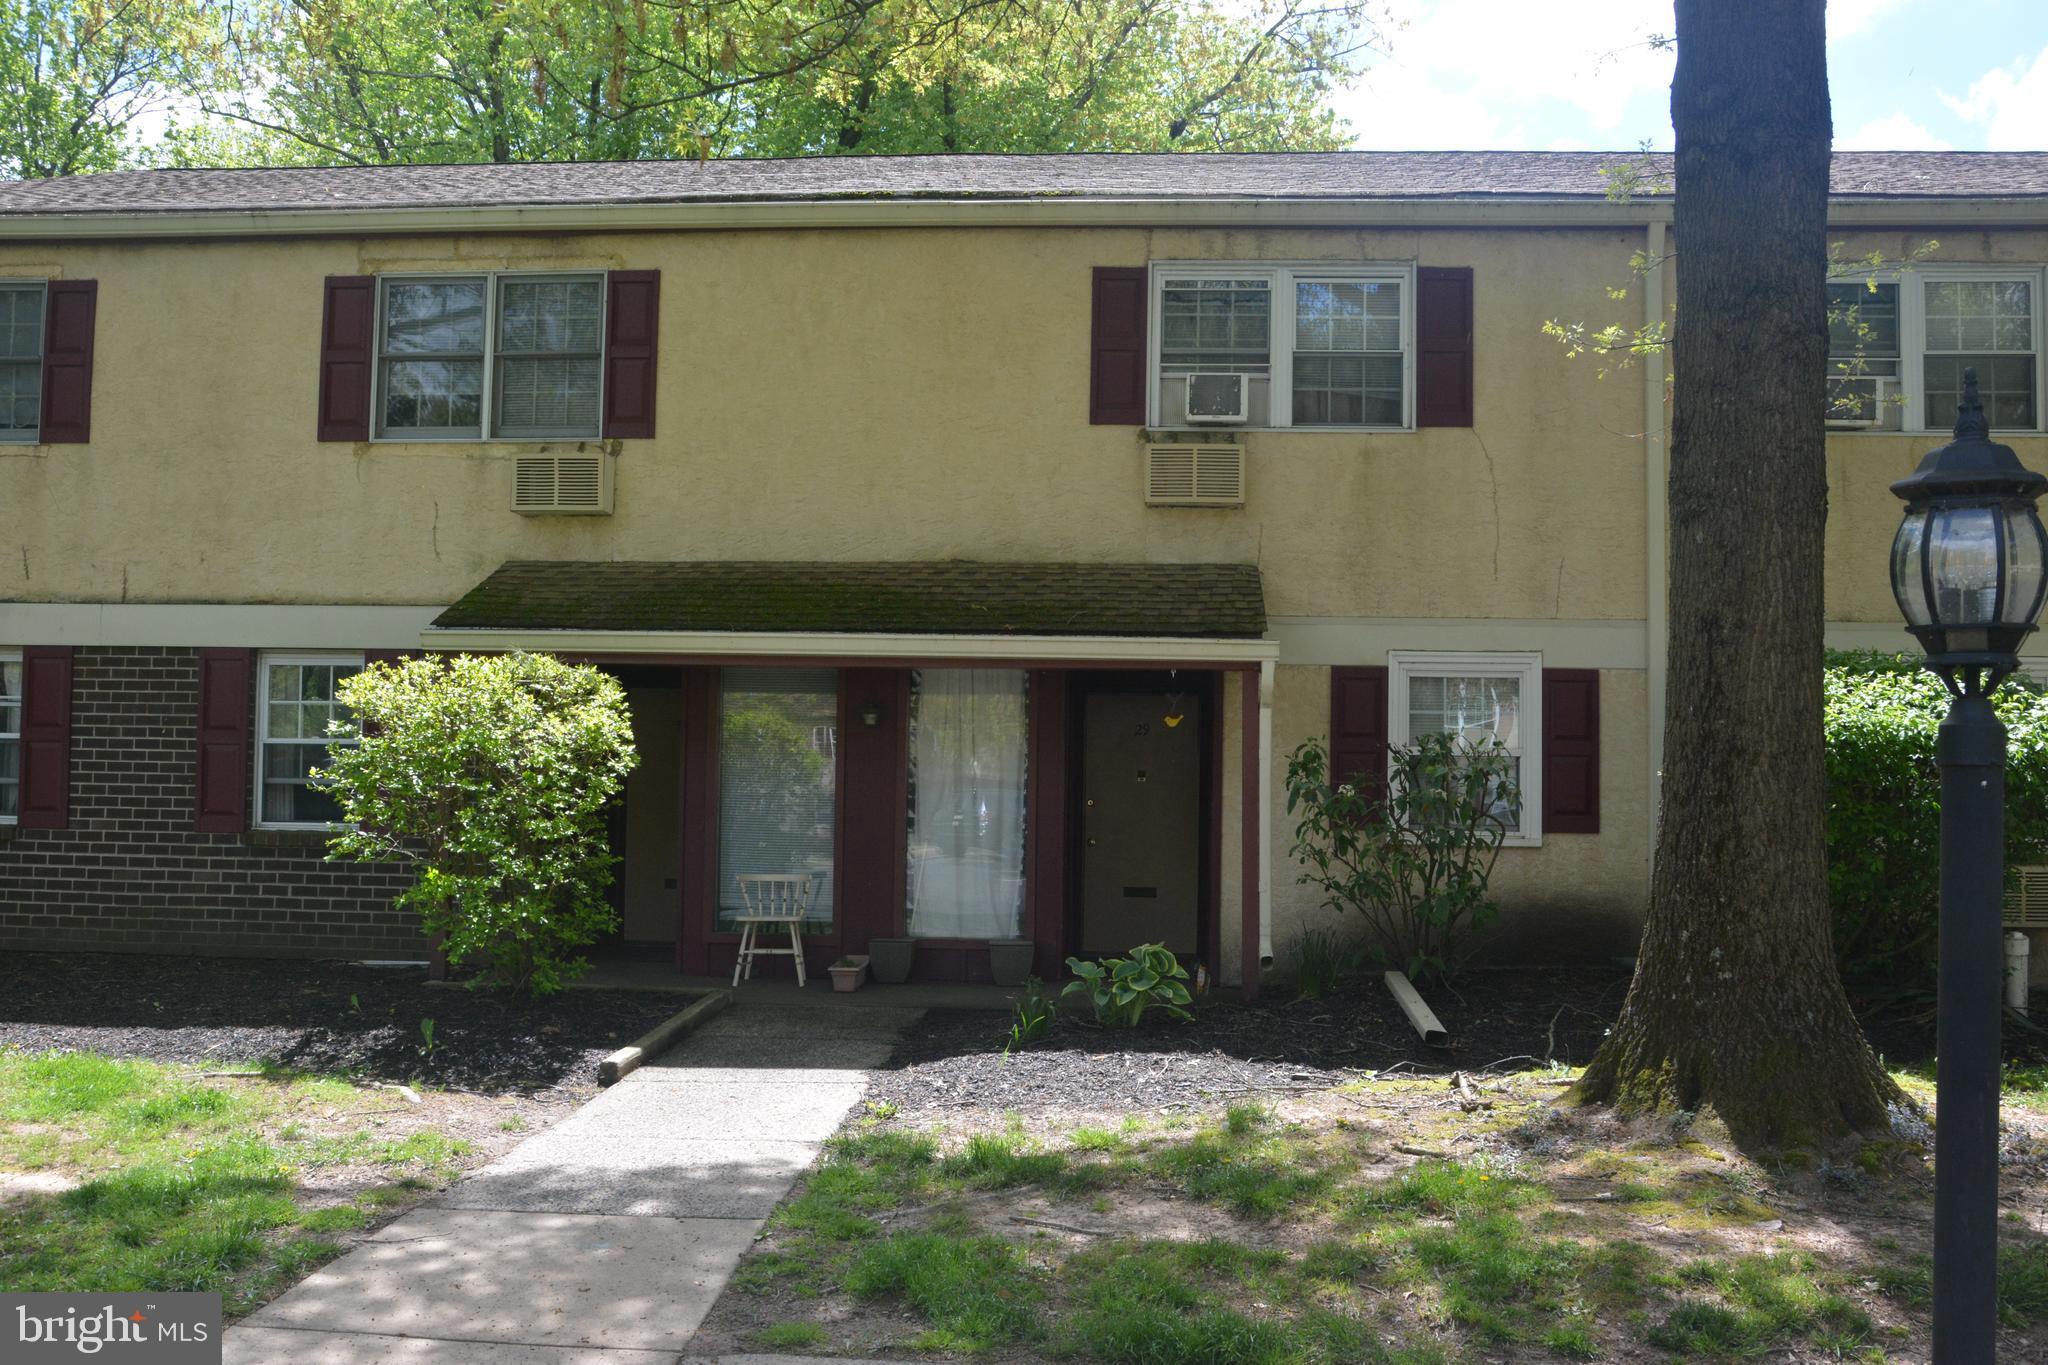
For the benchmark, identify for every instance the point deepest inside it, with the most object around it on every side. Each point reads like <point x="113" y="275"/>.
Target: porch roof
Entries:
<point x="912" y="598"/>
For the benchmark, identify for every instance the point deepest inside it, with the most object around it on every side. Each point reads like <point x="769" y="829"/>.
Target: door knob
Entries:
<point x="1093" y="842"/>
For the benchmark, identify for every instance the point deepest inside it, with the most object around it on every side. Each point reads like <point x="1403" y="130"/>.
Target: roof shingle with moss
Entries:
<point x="930" y="597"/>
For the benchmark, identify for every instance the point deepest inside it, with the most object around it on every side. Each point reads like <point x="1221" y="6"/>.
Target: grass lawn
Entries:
<point x="125" y="1175"/>
<point x="1385" y="1221"/>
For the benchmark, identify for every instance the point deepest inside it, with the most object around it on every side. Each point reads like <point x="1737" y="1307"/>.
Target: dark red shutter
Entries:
<point x="1443" y="346"/>
<point x="1358" y="729"/>
<point x="1571" y="751"/>
<point x="348" y="325"/>
<point x="225" y="679"/>
<point x="68" y="309"/>
<point x="45" y="737"/>
<point x="1116" y="360"/>
<point x="632" y="326"/>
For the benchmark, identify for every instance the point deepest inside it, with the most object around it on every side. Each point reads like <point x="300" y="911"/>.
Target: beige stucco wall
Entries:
<point x="1578" y="896"/>
<point x="832" y="394"/>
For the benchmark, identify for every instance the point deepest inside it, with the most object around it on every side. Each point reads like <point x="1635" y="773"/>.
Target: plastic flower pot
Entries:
<point x="1009" y="960"/>
<point x="849" y="972"/>
<point x="889" y="959"/>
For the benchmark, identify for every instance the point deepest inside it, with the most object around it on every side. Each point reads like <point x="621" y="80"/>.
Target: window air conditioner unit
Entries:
<point x="1200" y="475"/>
<point x="1217" y="397"/>
<point x="2026" y="904"/>
<point x="1860" y="402"/>
<point x="562" y="485"/>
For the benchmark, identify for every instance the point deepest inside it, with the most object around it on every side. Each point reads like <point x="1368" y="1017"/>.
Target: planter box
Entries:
<point x="890" y="959"/>
<point x="1009" y="960"/>
<point x="850" y="976"/>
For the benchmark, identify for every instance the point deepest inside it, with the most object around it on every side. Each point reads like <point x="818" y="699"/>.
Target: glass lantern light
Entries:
<point x="1970" y="561"/>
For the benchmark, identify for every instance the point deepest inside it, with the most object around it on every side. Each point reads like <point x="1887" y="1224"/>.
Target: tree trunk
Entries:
<point x="1736" y="1002"/>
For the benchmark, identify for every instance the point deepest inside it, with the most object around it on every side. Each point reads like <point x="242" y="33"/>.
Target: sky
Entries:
<point x="1967" y="75"/>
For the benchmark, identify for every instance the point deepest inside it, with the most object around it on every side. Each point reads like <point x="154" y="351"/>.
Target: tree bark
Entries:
<point x="1736" y="1002"/>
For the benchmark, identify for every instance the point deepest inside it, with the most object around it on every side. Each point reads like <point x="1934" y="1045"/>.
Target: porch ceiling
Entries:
<point x="927" y="597"/>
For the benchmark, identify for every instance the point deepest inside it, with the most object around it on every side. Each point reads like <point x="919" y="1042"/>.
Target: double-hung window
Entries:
<point x="10" y="736"/>
<point x="1481" y="699"/>
<point x="1898" y="347"/>
<point x="505" y="356"/>
<point x="1863" y="356"/>
<point x="21" y="360"/>
<point x="1318" y="346"/>
<point x="294" y="708"/>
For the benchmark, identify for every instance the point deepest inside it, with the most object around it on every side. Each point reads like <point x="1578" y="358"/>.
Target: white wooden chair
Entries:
<point x="770" y="899"/>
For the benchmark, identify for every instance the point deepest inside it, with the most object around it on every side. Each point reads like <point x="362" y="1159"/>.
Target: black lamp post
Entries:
<point x="1969" y="567"/>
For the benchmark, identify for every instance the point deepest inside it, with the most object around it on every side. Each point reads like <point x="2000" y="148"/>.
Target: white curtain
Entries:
<point x="967" y="732"/>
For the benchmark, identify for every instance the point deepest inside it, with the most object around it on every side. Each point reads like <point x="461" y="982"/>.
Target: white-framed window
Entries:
<point x="21" y="359"/>
<point x="502" y="355"/>
<point x="10" y="736"/>
<point x="1321" y="346"/>
<point x="1480" y="698"/>
<point x="294" y="703"/>
<point x="1899" y="343"/>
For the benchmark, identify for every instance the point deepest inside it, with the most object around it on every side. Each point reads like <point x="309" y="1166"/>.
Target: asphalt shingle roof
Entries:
<point x="1184" y="176"/>
<point x="933" y="597"/>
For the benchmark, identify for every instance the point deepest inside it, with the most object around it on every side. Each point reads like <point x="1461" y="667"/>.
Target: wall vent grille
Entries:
<point x="562" y="485"/>
<point x="1197" y="475"/>
<point x="2026" y="901"/>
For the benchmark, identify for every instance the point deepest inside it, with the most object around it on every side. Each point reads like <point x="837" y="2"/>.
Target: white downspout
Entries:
<point x="1265" y="908"/>
<point x="1656" y="518"/>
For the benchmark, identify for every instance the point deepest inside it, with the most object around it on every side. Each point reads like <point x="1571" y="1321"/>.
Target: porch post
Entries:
<point x="1267" y="669"/>
<point x="1252" y="822"/>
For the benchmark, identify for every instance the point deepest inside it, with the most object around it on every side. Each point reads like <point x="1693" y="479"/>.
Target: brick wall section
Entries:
<point x="131" y="874"/>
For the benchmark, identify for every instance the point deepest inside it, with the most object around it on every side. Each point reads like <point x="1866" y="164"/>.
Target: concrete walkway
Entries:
<point x="606" y="1239"/>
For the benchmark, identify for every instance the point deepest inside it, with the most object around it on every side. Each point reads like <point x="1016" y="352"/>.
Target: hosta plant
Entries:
<point x="1123" y="988"/>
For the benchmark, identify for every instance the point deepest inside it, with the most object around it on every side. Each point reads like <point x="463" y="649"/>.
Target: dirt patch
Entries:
<point x="332" y="1017"/>
<point x="18" y="1187"/>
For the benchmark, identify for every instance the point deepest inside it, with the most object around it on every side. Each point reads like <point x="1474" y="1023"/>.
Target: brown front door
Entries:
<point x="1140" y="821"/>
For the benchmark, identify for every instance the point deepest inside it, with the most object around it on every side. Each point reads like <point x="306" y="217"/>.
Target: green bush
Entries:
<point x="1883" y="713"/>
<point x="1416" y="862"/>
<point x="490" y="774"/>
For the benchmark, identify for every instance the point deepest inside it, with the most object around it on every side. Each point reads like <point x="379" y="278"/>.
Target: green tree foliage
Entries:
<point x="75" y="75"/>
<point x="1884" y="814"/>
<point x="491" y="774"/>
<point x="1416" y="864"/>
<point x="383" y="81"/>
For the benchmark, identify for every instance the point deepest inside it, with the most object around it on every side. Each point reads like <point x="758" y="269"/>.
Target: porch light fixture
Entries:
<point x="871" y="714"/>
<point x="1969" y="569"/>
<point x="1970" y="561"/>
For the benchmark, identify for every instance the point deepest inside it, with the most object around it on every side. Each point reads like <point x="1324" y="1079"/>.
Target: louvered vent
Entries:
<point x="2026" y="903"/>
<point x="1200" y="475"/>
<point x="562" y="485"/>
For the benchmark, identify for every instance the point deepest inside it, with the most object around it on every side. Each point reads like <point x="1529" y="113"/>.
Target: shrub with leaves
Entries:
<point x="1883" y="714"/>
<point x="1123" y="988"/>
<point x="1415" y="863"/>
<point x="491" y="773"/>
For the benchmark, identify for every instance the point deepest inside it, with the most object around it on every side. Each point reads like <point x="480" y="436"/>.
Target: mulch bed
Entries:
<point x="1509" y="1019"/>
<point x="316" y="1016"/>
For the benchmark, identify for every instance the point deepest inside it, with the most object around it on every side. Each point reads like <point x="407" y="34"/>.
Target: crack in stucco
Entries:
<point x="1493" y="481"/>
